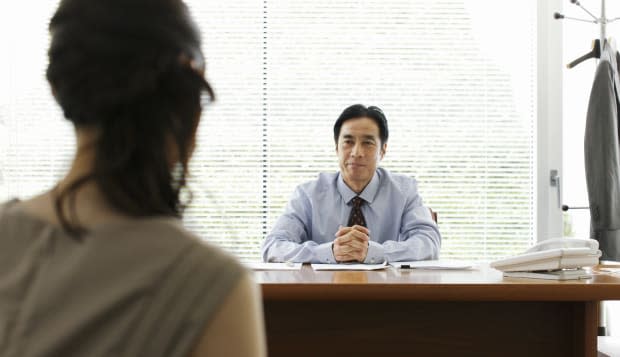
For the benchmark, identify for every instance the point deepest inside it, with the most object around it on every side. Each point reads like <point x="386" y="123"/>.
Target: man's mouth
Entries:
<point x="354" y="164"/>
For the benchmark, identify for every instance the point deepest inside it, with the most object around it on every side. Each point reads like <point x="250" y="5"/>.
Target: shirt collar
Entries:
<point x="368" y="194"/>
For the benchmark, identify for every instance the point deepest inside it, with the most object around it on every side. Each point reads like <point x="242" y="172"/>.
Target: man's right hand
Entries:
<point x="351" y="244"/>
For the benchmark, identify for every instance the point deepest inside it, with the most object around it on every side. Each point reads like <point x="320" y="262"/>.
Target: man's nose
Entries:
<point x="356" y="150"/>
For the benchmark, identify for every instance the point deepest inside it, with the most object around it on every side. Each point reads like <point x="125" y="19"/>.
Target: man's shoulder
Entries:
<point x="323" y="182"/>
<point x="396" y="179"/>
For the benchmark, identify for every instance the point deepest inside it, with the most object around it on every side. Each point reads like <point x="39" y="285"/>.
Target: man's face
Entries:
<point x="359" y="151"/>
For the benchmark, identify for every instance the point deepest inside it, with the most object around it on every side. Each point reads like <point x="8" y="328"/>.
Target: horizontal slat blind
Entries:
<point x="457" y="85"/>
<point x="461" y="121"/>
<point x="36" y="143"/>
<point x="227" y="207"/>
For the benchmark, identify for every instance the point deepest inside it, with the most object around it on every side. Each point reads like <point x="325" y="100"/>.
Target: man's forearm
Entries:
<point x="421" y="246"/>
<point x="282" y="250"/>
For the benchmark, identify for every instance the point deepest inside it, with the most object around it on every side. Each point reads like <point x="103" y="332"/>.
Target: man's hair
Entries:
<point x="132" y="71"/>
<point x="360" y="111"/>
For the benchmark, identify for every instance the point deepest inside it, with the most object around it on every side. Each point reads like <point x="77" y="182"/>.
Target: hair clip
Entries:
<point x="195" y="62"/>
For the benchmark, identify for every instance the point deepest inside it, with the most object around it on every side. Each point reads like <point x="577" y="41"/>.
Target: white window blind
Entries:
<point x="456" y="80"/>
<point x="36" y="143"/>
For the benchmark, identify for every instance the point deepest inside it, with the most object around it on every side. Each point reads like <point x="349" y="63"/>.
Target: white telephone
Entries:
<point x="553" y="254"/>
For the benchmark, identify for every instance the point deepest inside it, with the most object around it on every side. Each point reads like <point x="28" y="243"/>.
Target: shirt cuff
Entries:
<point x="376" y="254"/>
<point x="324" y="253"/>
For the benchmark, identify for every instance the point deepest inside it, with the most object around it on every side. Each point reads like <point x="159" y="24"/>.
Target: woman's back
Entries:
<point x="145" y="287"/>
<point x="99" y="265"/>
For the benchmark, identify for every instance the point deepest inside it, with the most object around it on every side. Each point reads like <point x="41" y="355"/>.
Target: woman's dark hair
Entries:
<point x="131" y="70"/>
<point x="360" y="111"/>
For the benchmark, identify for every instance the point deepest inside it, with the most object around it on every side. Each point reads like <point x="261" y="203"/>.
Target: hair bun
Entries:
<point x="106" y="54"/>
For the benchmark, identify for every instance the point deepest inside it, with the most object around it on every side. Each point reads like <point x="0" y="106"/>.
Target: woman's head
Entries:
<point x="131" y="71"/>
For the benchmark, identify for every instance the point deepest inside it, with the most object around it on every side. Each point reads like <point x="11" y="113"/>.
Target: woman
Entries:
<point x="100" y="265"/>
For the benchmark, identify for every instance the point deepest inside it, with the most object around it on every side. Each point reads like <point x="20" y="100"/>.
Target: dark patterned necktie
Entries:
<point x="356" y="216"/>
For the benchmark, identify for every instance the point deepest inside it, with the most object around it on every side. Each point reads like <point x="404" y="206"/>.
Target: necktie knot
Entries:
<point x="357" y="202"/>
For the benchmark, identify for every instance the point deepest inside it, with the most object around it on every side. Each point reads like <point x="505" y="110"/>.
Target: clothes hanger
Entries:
<point x="595" y="53"/>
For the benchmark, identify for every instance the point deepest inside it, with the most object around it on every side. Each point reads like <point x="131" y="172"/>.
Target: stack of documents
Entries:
<point x="562" y="274"/>
<point x="349" y="266"/>
<point x="434" y="265"/>
<point x="272" y="266"/>
<point x="426" y="264"/>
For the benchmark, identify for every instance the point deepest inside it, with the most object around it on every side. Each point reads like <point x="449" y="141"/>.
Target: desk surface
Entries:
<point x="430" y="313"/>
<point x="482" y="284"/>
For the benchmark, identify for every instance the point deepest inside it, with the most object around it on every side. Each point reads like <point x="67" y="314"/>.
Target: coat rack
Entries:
<point x="602" y="21"/>
<point x="598" y="46"/>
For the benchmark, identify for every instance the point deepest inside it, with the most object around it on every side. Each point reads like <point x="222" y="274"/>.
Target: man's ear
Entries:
<point x="383" y="149"/>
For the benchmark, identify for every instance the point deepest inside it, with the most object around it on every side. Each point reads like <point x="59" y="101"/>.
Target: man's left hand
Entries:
<point x="351" y="244"/>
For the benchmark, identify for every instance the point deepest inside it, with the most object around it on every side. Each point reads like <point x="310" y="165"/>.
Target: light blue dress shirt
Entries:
<point x="401" y="228"/>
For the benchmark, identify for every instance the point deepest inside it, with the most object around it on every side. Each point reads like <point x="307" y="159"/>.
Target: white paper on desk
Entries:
<point x="349" y="266"/>
<point x="434" y="265"/>
<point x="272" y="266"/>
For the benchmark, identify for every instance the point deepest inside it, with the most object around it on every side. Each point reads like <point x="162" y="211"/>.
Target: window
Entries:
<point x="458" y="89"/>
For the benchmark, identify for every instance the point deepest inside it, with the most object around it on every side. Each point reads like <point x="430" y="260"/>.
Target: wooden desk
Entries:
<point x="430" y="313"/>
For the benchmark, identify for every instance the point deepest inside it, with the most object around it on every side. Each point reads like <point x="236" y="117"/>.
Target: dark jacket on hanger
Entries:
<point x="602" y="158"/>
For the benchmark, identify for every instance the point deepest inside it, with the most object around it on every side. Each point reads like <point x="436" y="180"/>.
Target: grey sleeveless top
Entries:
<point x="145" y="288"/>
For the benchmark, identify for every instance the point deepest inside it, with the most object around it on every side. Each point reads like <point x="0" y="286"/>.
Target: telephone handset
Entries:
<point x="555" y="243"/>
<point x="553" y="254"/>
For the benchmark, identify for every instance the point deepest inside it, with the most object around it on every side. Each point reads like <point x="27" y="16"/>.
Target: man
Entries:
<point x="361" y="214"/>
